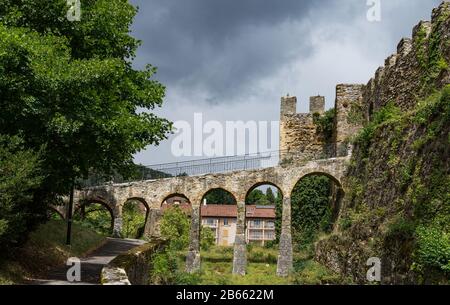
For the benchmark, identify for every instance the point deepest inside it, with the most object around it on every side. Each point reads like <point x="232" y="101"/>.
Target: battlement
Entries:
<point x="289" y="105"/>
<point x="420" y="64"/>
<point x="299" y="131"/>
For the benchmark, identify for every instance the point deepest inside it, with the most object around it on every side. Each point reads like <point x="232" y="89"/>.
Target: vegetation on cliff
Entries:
<point x="398" y="207"/>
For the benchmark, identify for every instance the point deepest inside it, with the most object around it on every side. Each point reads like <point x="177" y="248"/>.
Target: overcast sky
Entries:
<point x="234" y="59"/>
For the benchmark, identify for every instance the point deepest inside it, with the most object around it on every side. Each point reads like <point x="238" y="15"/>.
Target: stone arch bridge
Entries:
<point x="152" y="193"/>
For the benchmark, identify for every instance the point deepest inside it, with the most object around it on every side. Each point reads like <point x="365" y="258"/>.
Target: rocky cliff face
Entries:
<point x="397" y="203"/>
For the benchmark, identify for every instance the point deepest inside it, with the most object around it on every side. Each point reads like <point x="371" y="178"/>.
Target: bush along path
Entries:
<point x="91" y="266"/>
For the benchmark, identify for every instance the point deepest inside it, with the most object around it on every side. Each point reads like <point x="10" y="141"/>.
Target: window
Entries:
<point x="270" y="224"/>
<point x="256" y="235"/>
<point x="269" y="235"/>
<point x="256" y="224"/>
<point x="212" y="222"/>
<point x="225" y="222"/>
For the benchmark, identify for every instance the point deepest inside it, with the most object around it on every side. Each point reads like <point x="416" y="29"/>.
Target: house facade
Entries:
<point x="221" y="219"/>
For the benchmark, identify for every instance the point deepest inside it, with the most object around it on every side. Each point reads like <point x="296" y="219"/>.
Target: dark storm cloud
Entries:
<point x="233" y="59"/>
<point x="219" y="47"/>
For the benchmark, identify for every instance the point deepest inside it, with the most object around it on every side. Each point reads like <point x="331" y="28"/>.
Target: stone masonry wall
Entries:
<point x="419" y="64"/>
<point x="348" y="108"/>
<point x="298" y="132"/>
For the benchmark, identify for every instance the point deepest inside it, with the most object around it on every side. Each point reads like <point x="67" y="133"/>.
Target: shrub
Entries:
<point x="387" y="113"/>
<point x="175" y="228"/>
<point x="133" y="220"/>
<point x="207" y="239"/>
<point x="164" y="268"/>
<point x="433" y="249"/>
<point x="325" y="123"/>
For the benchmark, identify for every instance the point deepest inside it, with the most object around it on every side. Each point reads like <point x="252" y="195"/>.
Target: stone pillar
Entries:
<point x="285" y="258"/>
<point x="193" y="256"/>
<point x="240" y="245"/>
<point x="349" y="116"/>
<point x="117" y="226"/>
<point x="152" y="228"/>
<point x="317" y="104"/>
<point x="288" y="110"/>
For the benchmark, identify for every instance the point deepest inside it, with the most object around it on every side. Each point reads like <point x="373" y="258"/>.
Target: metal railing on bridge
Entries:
<point x="212" y="166"/>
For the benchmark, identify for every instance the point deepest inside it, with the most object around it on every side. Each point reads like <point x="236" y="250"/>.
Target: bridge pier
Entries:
<point x="240" y="245"/>
<point x="193" y="256"/>
<point x="285" y="258"/>
<point x="152" y="225"/>
<point x="117" y="226"/>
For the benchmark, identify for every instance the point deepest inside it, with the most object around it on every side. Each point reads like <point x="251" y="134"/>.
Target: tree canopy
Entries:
<point x="70" y="87"/>
<point x="69" y="94"/>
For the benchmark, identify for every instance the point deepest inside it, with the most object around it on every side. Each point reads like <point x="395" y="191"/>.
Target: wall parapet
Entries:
<point x="421" y="62"/>
<point x="133" y="267"/>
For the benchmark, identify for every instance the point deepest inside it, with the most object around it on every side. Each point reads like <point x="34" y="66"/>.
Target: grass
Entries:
<point x="46" y="249"/>
<point x="217" y="265"/>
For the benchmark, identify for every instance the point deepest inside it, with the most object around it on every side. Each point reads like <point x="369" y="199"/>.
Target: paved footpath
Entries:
<point x="92" y="265"/>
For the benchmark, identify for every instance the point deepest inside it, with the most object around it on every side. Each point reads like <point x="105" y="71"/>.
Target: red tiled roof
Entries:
<point x="230" y="211"/>
<point x="186" y="207"/>
<point x="227" y="211"/>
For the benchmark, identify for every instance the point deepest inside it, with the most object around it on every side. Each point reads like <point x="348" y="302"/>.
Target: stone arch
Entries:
<point x="57" y="211"/>
<point x="256" y="227"/>
<point x="218" y="188"/>
<point x="316" y="173"/>
<point x="171" y="195"/>
<point x="258" y="184"/>
<point x="86" y="202"/>
<point x="143" y="202"/>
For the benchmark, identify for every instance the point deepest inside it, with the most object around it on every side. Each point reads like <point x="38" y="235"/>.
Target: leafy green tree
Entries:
<point x="175" y="226"/>
<point x="219" y="196"/>
<point x="207" y="238"/>
<point x="71" y="87"/>
<point x="311" y="208"/>
<point x="133" y="220"/>
<point x="270" y="196"/>
<point x="278" y="215"/>
<point x="19" y="177"/>
<point x="96" y="217"/>
<point x="255" y="197"/>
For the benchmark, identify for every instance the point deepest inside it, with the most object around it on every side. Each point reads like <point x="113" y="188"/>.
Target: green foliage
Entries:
<point x="175" y="227"/>
<point x="436" y="106"/>
<point x="20" y="176"/>
<point x="433" y="249"/>
<point x="95" y="217"/>
<point x="388" y="113"/>
<point x="312" y="273"/>
<point x="401" y="229"/>
<point x="219" y="196"/>
<point x="133" y="220"/>
<point x="278" y="216"/>
<point x="356" y="115"/>
<point x="46" y="249"/>
<point x="262" y="255"/>
<point x="311" y="209"/>
<point x="270" y="196"/>
<point x="71" y="86"/>
<point x="258" y="197"/>
<point x="164" y="268"/>
<point x="406" y="154"/>
<point x="429" y="55"/>
<point x="207" y="238"/>
<point x="325" y="123"/>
